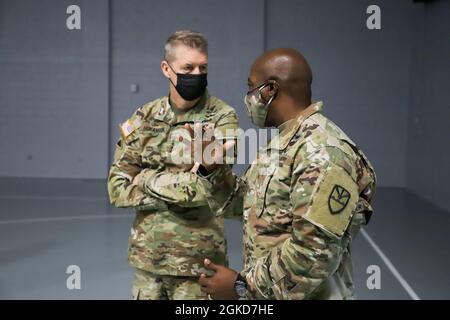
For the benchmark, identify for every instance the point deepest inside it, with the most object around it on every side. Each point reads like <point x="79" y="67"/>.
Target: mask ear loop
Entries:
<point x="170" y="66"/>
<point x="268" y="102"/>
<point x="271" y="98"/>
<point x="173" y="72"/>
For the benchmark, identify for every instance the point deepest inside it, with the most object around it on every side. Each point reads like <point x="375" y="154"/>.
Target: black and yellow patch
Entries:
<point x="333" y="201"/>
<point x="338" y="199"/>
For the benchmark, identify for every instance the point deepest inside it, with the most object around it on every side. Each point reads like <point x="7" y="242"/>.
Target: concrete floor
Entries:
<point x="48" y="224"/>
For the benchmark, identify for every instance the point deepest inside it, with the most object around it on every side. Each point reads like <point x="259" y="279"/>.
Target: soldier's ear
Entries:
<point x="273" y="88"/>
<point x="165" y="69"/>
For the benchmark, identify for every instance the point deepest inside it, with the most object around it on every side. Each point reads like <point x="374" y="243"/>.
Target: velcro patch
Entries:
<point x="128" y="127"/>
<point x="333" y="201"/>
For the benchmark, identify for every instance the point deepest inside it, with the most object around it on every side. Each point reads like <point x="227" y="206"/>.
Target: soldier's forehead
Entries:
<point x="184" y="54"/>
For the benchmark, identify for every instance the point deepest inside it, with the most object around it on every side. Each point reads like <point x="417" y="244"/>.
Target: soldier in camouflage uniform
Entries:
<point x="302" y="200"/>
<point x="174" y="229"/>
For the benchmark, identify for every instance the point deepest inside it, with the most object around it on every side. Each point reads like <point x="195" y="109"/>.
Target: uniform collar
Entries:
<point x="289" y="128"/>
<point x="285" y="125"/>
<point x="171" y="114"/>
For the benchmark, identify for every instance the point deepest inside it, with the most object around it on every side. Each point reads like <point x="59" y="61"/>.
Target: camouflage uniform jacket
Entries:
<point x="302" y="200"/>
<point x="174" y="228"/>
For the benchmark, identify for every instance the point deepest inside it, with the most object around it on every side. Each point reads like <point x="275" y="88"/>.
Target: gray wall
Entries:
<point x="428" y="156"/>
<point x="53" y="90"/>
<point x="62" y="93"/>
<point x="361" y="75"/>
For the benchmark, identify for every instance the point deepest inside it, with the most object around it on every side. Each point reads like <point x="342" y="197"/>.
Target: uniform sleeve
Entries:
<point x="226" y="196"/>
<point x="294" y="269"/>
<point x="227" y="126"/>
<point x="227" y="192"/>
<point x="127" y="164"/>
<point x="181" y="188"/>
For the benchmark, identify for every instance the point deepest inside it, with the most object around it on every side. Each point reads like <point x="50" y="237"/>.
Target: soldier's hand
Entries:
<point x="209" y="152"/>
<point x="220" y="286"/>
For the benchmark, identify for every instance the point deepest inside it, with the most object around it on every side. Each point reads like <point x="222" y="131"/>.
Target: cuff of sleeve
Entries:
<point x="256" y="277"/>
<point x="214" y="176"/>
<point x="145" y="175"/>
<point x="201" y="172"/>
<point x="252" y="292"/>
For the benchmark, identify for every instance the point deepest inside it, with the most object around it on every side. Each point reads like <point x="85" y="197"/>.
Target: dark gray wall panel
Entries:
<point x="361" y="75"/>
<point x="428" y="155"/>
<point x="53" y="89"/>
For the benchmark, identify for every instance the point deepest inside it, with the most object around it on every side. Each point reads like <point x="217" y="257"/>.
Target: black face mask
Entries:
<point x="190" y="86"/>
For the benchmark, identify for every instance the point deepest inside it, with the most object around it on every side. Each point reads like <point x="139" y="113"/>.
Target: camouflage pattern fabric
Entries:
<point x="302" y="202"/>
<point x="148" y="286"/>
<point x="174" y="229"/>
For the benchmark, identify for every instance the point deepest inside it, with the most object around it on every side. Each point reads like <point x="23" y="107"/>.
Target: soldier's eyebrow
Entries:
<point x="249" y="82"/>
<point x="192" y="65"/>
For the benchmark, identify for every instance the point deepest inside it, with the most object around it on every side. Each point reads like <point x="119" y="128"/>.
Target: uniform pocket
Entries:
<point x="281" y="288"/>
<point x="135" y="293"/>
<point x="261" y="192"/>
<point x="155" y="142"/>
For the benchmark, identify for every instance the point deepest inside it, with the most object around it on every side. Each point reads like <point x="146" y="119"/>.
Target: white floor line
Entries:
<point x="391" y="267"/>
<point x="377" y="249"/>
<point x="53" y="219"/>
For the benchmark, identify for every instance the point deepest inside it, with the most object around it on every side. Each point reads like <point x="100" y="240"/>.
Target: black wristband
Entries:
<point x="241" y="279"/>
<point x="202" y="170"/>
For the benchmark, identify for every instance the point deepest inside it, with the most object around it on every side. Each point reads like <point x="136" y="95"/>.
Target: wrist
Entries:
<point x="205" y="170"/>
<point x="240" y="287"/>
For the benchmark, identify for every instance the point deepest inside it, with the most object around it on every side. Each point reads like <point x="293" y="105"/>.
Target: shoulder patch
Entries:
<point x="128" y="127"/>
<point x="333" y="202"/>
<point x="338" y="199"/>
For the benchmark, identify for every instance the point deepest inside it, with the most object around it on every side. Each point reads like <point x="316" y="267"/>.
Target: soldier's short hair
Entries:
<point x="189" y="38"/>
